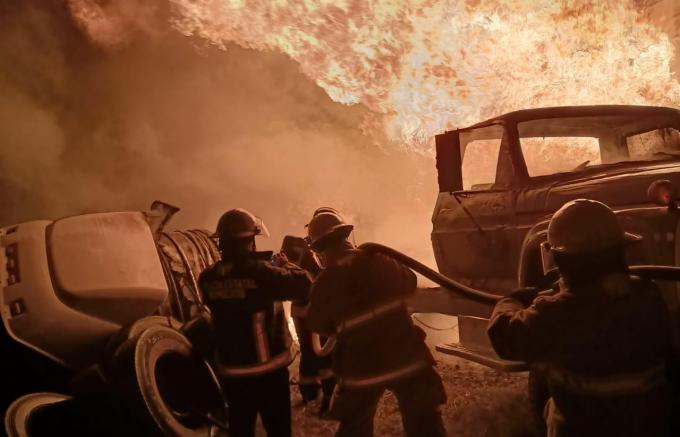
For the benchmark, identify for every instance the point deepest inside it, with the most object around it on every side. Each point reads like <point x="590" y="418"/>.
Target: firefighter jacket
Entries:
<point x="245" y="300"/>
<point x="360" y="300"/>
<point x="604" y="355"/>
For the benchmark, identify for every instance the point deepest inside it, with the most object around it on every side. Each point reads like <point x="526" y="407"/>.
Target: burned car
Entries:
<point x="501" y="180"/>
<point x="93" y="305"/>
<point x="528" y="164"/>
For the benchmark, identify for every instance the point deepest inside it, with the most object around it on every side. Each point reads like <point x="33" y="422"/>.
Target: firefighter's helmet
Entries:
<point x="325" y="209"/>
<point x="586" y="226"/>
<point x="324" y="227"/>
<point x="239" y="223"/>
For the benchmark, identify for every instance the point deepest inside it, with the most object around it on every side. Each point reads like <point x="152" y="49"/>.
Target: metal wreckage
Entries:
<point x="93" y="305"/>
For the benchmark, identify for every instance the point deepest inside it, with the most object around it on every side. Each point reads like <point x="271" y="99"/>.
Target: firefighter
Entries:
<point x="315" y="372"/>
<point x="359" y="299"/>
<point x="601" y="337"/>
<point x="244" y="293"/>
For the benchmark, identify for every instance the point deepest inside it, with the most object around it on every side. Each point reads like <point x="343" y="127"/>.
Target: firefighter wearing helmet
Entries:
<point x="359" y="299"/>
<point x="315" y="372"/>
<point x="244" y="292"/>
<point x="601" y="337"/>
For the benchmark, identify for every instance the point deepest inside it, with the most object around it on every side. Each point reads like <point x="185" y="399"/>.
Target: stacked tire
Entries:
<point x="149" y="382"/>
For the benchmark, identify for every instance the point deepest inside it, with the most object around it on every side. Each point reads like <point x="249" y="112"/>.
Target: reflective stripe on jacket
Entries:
<point x="369" y="316"/>
<point x="251" y="330"/>
<point x="361" y="299"/>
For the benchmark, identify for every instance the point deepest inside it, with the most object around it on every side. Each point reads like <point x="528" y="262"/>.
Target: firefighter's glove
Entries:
<point x="280" y="259"/>
<point x="525" y="295"/>
<point x="199" y="332"/>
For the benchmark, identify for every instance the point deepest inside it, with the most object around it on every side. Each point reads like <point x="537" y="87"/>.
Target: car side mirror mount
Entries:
<point x="158" y="215"/>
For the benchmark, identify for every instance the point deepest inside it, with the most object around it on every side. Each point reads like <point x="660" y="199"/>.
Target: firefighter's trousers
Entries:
<point x="420" y="397"/>
<point x="268" y="395"/>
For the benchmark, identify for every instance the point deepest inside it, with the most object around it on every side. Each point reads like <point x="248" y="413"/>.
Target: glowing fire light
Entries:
<point x="425" y="66"/>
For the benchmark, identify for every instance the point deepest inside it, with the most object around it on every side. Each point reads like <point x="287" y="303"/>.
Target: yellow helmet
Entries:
<point x="586" y="226"/>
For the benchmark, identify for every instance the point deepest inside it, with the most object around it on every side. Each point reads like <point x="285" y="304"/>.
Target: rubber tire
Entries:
<point x="19" y="412"/>
<point x="132" y="331"/>
<point x="153" y="344"/>
<point x="539" y="394"/>
<point x="145" y="416"/>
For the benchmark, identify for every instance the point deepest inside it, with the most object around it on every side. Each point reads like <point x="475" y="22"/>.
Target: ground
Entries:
<point x="481" y="403"/>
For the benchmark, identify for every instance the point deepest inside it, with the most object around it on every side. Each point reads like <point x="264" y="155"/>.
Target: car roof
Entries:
<point x="576" y="111"/>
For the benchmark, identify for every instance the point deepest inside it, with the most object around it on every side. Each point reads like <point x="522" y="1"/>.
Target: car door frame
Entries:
<point x="479" y="224"/>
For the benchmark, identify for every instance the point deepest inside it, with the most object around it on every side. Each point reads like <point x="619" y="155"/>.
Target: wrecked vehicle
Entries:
<point x="501" y="180"/>
<point x="92" y="305"/>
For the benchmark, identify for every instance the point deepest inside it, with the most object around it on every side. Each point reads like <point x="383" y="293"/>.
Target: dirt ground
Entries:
<point x="481" y="403"/>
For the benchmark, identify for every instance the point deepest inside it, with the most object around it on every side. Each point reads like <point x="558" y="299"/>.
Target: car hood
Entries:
<point x="613" y="186"/>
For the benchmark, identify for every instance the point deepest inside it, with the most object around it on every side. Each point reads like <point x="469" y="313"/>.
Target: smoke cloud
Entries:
<point x="124" y="110"/>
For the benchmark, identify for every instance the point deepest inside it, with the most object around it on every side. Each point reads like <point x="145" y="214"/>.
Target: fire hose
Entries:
<point x="418" y="267"/>
<point x="448" y="283"/>
<point x="659" y="273"/>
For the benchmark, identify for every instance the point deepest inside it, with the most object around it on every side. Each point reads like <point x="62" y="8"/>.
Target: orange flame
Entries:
<point x="425" y="66"/>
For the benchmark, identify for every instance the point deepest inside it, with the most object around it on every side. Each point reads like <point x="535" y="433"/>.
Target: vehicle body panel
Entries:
<point x="480" y="237"/>
<point x="67" y="286"/>
<point x="106" y="265"/>
<point x="33" y="314"/>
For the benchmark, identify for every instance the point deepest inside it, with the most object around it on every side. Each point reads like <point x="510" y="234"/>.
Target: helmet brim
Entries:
<point x="339" y="231"/>
<point x="628" y="239"/>
<point x="261" y="230"/>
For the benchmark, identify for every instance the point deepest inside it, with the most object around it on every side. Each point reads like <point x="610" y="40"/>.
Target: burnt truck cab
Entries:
<point x="501" y="180"/>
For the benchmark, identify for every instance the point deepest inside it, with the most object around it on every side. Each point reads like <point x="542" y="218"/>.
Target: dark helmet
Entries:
<point x="586" y="226"/>
<point x="326" y="226"/>
<point x="326" y="209"/>
<point x="239" y="223"/>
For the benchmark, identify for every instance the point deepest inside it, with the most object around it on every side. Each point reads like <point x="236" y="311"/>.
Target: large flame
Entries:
<point x="426" y="66"/>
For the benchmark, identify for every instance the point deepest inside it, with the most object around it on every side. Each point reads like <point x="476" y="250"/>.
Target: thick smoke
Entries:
<point x="92" y="119"/>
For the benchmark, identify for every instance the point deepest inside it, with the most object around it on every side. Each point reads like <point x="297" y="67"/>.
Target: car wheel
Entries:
<point x="19" y="414"/>
<point x="178" y="389"/>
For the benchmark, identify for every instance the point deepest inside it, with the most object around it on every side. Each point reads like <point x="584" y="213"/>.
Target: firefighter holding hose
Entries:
<point x="359" y="299"/>
<point x="244" y="292"/>
<point x="601" y="337"/>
